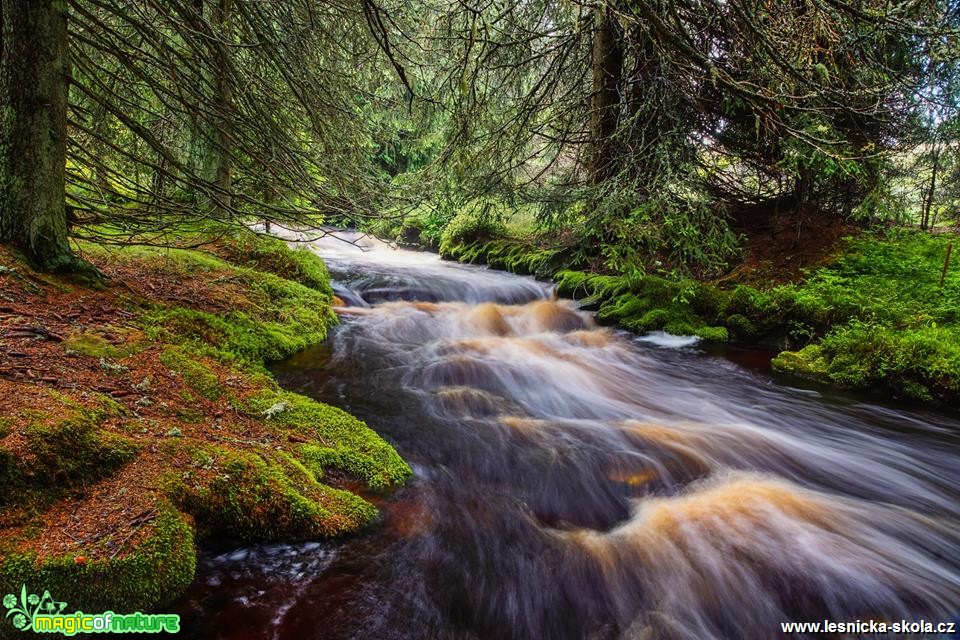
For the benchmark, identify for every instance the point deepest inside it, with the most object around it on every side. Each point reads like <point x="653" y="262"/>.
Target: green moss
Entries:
<point x="708" y="301"/>
<point x="741" y="326"/>
<point x="71" y="452"/>
<point x="276" y="317"/>
<point x="758" y="307"/>
<point x="90" y="344"/>
<point x="509" y="254"/>
<point x="93" y="344"/>
<point x="922" y="363"/>
<point x="571" y="283"/>
<point x="269" y="496"/>
<point x="240" y="336"/>
<point x="648" y="321"/>
<point x="884" y="322"/>
<point x="624" y="306"/>
<point x="474" y="222"/>
<point x="807" y="362"/>
<point x="197" y="375"/>
<point x="275" y="256"/>
<point x="347" y="443"/>
<point x="712" y="334"/>
<point x="143" y="578"/>
<point x="10" y="473"/>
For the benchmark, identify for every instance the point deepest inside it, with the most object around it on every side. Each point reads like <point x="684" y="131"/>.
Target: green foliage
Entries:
<point x="478" y="220"/>
<point x="885" y="321"/>
<point x="647" y="303"/>
<point x="892" y="280"/>
<point x="921" y="363"/>
<point x="671" y="231"/>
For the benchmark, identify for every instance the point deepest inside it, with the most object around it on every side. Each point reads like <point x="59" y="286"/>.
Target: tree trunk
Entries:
<point x="605" y="101"/>
<point x="34" y="72"/>
<point x="931" y="191"/>
<point x="210" y="155"/>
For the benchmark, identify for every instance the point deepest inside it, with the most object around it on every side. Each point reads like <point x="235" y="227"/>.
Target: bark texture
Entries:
<point x="34" y="79"/>
<point x="605" y="102"/>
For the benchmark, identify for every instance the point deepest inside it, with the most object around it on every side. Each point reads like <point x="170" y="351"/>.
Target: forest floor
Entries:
<point x="787" y="246"/>
<point x="138" y="417"/>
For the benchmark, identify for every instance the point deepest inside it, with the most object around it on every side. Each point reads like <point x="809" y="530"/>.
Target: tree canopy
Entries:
<point x="640" y="130"/>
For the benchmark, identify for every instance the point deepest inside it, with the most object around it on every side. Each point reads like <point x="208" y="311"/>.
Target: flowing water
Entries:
<point x="573" y="481"/>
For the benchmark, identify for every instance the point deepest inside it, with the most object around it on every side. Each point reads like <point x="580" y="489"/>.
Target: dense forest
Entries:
<point x="638" y="138"/>
<point x="781" y="177"/>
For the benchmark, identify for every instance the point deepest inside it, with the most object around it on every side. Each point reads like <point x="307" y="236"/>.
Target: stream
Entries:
<point x="575" y="481"/>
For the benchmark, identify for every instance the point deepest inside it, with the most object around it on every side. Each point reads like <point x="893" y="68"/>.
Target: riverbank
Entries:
<point x="137" y="419"/>
<point x="869" y="314"/>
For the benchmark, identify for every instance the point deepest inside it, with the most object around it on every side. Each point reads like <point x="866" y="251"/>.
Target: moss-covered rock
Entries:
<point x="345" y="443"/>
<point x="268" y="496"/>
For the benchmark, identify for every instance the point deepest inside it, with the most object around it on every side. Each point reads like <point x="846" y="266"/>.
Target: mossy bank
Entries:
<point x="874" y="316"/>
<point x="138" y="418"/>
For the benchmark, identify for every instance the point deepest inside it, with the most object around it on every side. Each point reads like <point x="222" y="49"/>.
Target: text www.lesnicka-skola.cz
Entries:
<point x="871" y="626"/>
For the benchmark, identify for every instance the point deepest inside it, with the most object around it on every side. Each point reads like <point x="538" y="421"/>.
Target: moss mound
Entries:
<point x="64" y="450"/>
<point x="345" y="443"/>
<point x="269" y="496"/>
<point x="150" y="574"/>
<point x="922" y="364"/>
<point x="271" y="255"/>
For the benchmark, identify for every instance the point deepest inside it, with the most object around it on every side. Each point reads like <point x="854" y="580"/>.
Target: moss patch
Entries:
<point x="194" y="372"/>
<point x="345" y="443"/>
<point x="272" y="255"/>
<point x="94" y="344"/>
<point x="64" y="449"/>
<point x="648" y="303"/>
<point x="514" y="255"/>
<point x="269" y="496"/>
<point x="150" y="574"/>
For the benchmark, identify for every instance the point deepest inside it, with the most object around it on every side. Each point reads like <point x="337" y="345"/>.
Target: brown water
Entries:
<point x="573" y="481"/>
